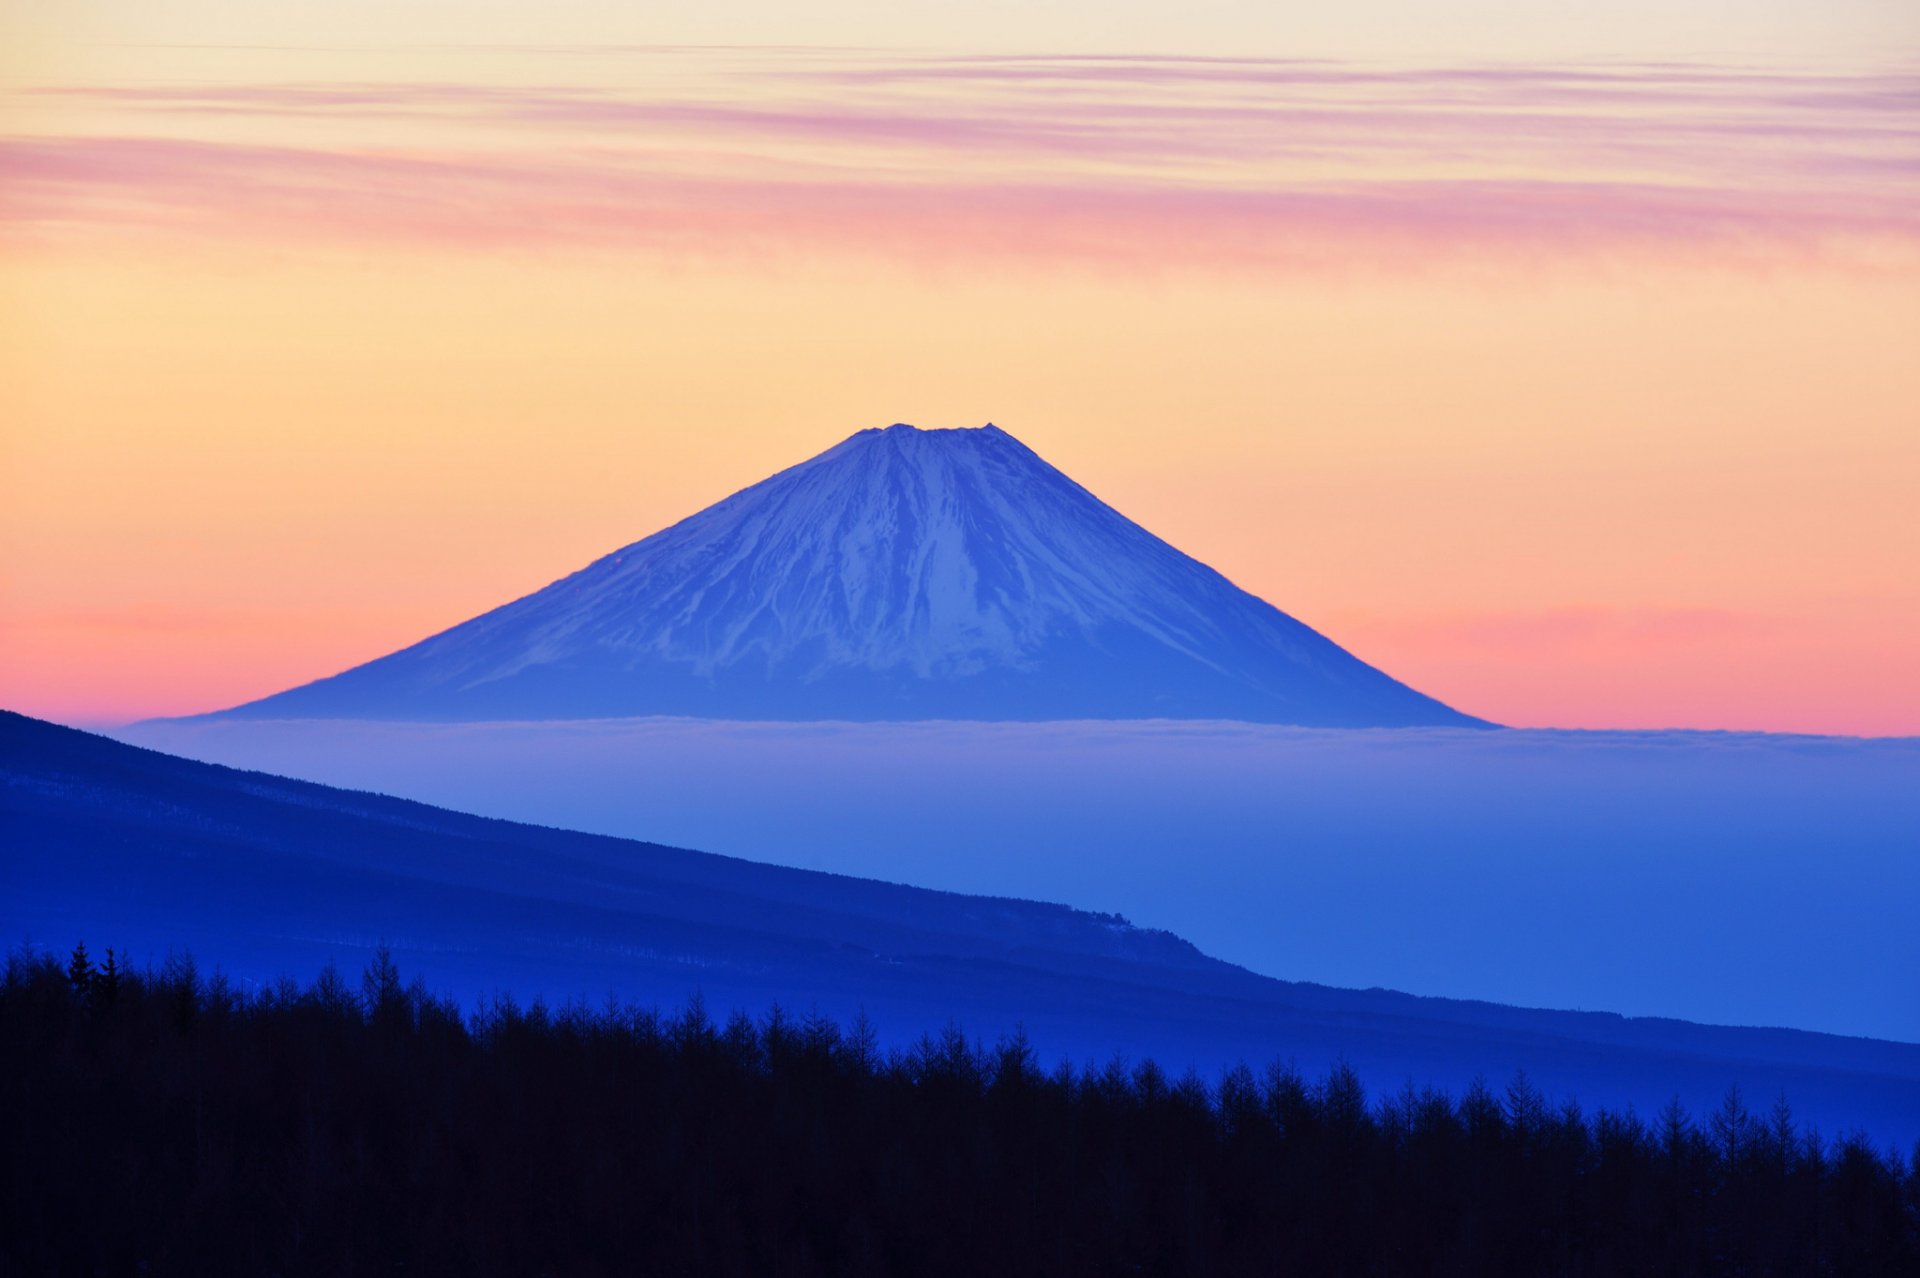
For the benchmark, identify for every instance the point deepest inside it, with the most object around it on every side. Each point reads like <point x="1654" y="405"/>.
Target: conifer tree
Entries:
<point x="382" y="996"/>
<point x="106" y="983"/>
<point x="80" y="971"/>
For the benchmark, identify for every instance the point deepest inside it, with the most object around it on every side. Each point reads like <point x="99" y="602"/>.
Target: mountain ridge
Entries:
<point x="900" y="574"/>
<point x="266" y="875"/>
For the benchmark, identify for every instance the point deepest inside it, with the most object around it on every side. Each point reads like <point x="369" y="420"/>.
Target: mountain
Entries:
<point x="121" y="846"/>
<point x="903" y="574"/>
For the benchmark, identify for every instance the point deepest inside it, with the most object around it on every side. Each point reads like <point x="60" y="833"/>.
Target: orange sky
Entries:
<point x="1572" y="393"/>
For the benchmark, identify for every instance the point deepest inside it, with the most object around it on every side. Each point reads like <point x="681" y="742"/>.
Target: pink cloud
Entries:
<point x="1278" y="163"/>
<point x="595" y="198"/>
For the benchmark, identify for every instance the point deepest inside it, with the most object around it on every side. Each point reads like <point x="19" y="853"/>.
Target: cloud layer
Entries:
<point x="1733" y="877"/>
<point x="1147" y="162"/>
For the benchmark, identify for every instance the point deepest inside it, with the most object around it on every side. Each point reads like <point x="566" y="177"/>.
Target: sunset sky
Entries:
<point x="1559" y="359"/>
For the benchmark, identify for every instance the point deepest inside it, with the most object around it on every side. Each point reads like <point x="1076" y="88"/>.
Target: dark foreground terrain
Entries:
<point x="262" y="876"/>
<point x="164" y="1124"/>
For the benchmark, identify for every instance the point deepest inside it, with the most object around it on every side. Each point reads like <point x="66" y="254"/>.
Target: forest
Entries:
<point x="166" y="1121"/>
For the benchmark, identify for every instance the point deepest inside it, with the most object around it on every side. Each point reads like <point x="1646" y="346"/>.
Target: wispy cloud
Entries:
<point x="1159" y="161"/>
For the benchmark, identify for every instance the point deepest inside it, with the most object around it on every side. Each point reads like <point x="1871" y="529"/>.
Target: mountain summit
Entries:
<point x="902" y="574"/>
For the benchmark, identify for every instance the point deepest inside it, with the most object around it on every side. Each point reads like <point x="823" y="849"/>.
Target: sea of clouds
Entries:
<point x="1735" y="878"/>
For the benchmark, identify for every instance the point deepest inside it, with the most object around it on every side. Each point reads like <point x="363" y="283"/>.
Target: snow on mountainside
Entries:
<point x="902" y="574"/>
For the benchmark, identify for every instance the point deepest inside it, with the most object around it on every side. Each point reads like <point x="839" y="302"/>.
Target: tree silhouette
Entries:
<point x="106" y="982"/>
<point x="315" y="1130"/>
<point x="80" y="971"/>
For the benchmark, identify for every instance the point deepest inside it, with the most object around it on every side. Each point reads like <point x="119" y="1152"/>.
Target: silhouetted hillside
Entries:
<point x="264" y="875"/>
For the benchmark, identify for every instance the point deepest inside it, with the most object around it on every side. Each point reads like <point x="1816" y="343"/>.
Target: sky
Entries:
<point x="1556" y="358"/>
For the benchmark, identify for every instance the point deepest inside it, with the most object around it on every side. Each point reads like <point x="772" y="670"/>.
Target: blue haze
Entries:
<point x="264" y="876"/>
<point x="1720" y="877"/>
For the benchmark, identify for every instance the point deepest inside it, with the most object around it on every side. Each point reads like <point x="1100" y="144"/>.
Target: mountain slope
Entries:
<point x="126" y="847"/>
<point x="903" y="574"/>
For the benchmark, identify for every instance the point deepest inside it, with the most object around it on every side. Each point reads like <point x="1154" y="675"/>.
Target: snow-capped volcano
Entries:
<point x="902" y="574"/>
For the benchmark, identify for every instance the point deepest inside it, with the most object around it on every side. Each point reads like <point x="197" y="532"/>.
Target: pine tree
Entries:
<point x="80" y="971"/>
<point x="1732" y="1126"/>
<point x="1526" y="1106"/>
<point x="382" y="996"/>
<point x="1783" y="1141"/>
<point x="106" y="983"/>
<point x="1676" y="1130"/>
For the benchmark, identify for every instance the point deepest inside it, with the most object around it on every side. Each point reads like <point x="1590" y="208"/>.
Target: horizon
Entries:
<point x="916" y="429"/>
<point x="94" y="719"/>
<point x="108" y="719"/>
<point x="1162" y="538"/>
<point x="1558" y="374"/>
